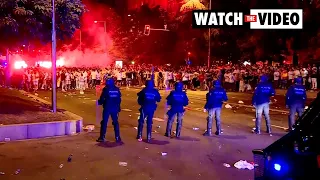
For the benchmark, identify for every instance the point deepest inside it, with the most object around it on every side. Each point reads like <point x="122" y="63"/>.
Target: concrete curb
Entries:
<point x="41" y="130"/>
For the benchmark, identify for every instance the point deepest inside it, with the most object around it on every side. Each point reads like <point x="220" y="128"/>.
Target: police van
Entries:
<point x="295" y="156"/>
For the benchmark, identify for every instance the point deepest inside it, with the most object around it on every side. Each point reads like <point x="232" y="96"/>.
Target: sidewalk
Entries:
<point x="19" y="109"/>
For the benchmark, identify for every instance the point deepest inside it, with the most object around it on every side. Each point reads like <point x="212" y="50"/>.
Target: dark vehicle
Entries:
<point x="295" y="156"/>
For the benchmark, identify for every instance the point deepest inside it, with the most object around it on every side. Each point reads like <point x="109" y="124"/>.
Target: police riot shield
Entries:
<point x="98" y="107"/>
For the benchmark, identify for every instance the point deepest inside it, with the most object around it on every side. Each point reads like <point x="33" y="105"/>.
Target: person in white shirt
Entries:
<point x="85" y="76"/>
<point x="82" y="86"/>
<point x="93" y="79"/>
<point x="185" y="79"/>
<point x="45" y="78"/>
<point x="290" y="77"/>
<point x="296" y="73"/>
<point x="304" y="74"/>
<point x="98" y="78"/>
<point x="119" y="78"/>
<point x="232" y="81"/>
<point x="276" y="78"/>
<point x="123" y="76"/>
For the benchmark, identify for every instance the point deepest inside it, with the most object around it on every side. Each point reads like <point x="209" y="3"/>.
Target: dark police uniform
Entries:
<point x="147" y="99"/>
<point x="110" y="99"/>
<point x="177" y="99"/>
<point x="215" y="98"/>
<point x="260" y="101"/>
<point x="295" y="100"/>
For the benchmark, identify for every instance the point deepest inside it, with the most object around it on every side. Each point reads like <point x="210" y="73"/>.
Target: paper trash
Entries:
<point x="243" y="165"/>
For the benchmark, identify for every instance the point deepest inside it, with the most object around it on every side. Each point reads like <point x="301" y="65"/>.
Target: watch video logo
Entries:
<point x="258" y="19"/>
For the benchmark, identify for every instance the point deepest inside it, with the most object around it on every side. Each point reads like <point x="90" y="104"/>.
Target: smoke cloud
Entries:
<point x="98" y="25"/>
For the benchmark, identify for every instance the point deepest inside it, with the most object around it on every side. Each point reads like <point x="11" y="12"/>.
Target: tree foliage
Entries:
<point x="30" y="20"/>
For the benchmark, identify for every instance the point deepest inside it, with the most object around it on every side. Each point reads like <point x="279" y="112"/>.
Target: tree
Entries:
<point x="30" y="20"/>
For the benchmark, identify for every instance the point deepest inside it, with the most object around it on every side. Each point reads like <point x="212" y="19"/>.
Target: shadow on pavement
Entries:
<point x="230" y="137"/>
<point x="110" y="144"/>
<point x="187" y="138"/>
<point x="156" y="142"/>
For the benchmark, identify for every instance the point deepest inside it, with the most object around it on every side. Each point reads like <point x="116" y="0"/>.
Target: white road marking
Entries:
<point x="94" y="100"/>
<point x="158" y="119"/>
<point x="127" y="110"/>
<point x="137" y="113"/>
<point x="86" y="98"/>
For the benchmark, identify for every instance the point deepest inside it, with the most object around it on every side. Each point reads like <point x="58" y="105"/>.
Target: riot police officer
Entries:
<point x="110" y="99"/>
<point x="260" y="101"/>
<point x="147" y="99"/>
<point x="215" y="98"/>
<point x="295" y="100"/>
<point x="177" y="99"/>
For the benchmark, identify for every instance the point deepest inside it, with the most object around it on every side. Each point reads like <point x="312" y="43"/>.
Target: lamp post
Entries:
<point x="209" y="44"/>
<point x="54" y="61"/>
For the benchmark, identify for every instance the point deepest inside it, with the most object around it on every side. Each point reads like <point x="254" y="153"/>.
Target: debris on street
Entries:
<point x="164" y="153"/>
<point x="124" y="164"/>
<point x="243" y="165"/>
<point x="228" y="106"/>
<point x="226" y="165"/>
<point x="89" y="128"/>
<point x="17" y="172"/>
<point x="70" y="158"/>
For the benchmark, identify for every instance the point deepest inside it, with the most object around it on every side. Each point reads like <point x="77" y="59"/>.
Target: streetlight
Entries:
<point x="104" y="24"/>
<point x="209" y="44"/>
<point x="54" y="60"/>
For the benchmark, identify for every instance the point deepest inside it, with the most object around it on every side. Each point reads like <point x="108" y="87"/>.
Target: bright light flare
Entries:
<point x="44" y="64"/>
<point x="277" y="167"/>
<point x="60" y="62"/>
<point x="20" y="64"/>
<point x="48" y="64"/>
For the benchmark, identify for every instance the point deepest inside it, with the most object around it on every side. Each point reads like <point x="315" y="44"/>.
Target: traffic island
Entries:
<point x="26" y="116"/>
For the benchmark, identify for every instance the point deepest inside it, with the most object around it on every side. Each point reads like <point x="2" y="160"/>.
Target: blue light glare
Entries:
<point x="277" y="167"/>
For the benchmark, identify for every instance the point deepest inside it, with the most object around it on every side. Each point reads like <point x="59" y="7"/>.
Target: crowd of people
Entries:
<point x="238" y="78"/>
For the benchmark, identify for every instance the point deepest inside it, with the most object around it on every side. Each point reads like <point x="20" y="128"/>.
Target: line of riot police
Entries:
<point x="149" y="96"/>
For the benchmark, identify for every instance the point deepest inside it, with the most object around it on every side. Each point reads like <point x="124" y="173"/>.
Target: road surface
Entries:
<point x="191" y="157"/>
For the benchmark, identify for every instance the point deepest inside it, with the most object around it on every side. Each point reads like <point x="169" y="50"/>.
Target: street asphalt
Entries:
<point x="191" y="157"/>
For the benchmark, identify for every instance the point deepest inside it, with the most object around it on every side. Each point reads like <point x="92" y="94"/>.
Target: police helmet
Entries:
<point x="149" y="84"/>
<point x="110" y="82"/>
<point x="298" y="80"/>
<point x="216" y="83"/>
<point x="264" y="78"/>
<point x="178" y="86"/>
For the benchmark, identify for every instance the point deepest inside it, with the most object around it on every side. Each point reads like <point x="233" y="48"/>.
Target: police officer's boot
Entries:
<point x="140" y="128"/>
<point x="209" y="129"/>
<point x="103" y="131"/>
<point x="168" y="130"/>
<point x="178" y="130"/>
<point x="149" y="132"/>
<point x="218" y="125"/>
<point x="117" y="132"/>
